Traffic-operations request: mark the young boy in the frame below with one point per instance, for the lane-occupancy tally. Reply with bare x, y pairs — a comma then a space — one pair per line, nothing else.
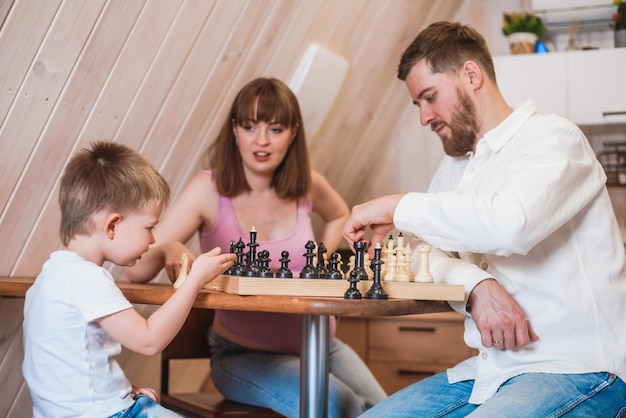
75, 317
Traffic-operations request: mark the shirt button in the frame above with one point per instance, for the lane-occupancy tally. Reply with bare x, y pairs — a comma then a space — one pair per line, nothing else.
484, 356
484, 266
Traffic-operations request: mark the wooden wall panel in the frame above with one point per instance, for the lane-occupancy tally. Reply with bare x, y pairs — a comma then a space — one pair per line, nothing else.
19, 47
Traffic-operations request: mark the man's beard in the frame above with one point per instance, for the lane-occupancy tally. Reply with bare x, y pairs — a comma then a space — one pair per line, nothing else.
463, 128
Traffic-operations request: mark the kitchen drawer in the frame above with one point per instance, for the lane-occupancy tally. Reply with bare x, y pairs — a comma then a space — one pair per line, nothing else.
395, 375
417, 340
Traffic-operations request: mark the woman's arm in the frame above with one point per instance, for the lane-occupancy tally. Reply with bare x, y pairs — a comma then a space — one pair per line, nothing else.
191, 210
333, 210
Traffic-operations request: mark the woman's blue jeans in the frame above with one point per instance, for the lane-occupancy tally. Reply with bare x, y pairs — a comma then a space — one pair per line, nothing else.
273, 381
537, 395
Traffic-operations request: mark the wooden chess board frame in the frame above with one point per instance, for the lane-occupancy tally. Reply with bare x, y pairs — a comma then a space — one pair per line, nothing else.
333, 288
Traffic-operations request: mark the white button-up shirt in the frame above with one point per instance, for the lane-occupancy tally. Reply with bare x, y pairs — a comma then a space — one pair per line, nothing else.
529, 208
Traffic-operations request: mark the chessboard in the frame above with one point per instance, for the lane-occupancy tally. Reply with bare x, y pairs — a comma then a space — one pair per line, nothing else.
320, 277
332, 288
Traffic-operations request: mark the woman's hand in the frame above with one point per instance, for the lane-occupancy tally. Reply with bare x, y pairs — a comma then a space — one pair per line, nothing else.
173, 255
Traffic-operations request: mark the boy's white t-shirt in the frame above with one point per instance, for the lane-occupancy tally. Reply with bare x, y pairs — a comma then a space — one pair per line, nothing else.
69, 363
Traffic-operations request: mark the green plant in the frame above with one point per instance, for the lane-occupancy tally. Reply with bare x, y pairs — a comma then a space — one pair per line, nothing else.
522, 22
618, 20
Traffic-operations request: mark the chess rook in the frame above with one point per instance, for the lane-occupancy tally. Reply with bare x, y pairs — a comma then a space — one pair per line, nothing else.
423, 274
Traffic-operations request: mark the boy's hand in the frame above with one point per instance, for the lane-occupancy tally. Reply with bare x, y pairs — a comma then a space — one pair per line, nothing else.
149, 392
210, 265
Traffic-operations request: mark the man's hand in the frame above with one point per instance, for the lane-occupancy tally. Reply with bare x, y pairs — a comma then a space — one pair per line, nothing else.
499, 318
377, 214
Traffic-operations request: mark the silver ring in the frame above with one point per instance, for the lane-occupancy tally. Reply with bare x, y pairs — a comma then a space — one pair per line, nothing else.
498, 342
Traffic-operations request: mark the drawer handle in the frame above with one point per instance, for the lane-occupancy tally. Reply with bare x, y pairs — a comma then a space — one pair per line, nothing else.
404, 372
617, 113
417, 329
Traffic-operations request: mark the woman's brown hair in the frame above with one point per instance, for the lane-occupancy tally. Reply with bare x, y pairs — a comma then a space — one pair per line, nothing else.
262, 100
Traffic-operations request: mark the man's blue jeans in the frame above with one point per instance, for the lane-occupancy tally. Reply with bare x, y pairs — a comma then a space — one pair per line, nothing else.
536, 395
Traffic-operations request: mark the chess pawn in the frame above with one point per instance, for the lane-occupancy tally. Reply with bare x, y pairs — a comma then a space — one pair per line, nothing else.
387, 251
368, 267
309, 271
284, 272
333, 272
423, 274
353, 291
340, 266
401, 274
391, 269
350, 264
263, 262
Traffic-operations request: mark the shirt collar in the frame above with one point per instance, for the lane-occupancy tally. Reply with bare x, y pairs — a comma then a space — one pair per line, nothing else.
501, 134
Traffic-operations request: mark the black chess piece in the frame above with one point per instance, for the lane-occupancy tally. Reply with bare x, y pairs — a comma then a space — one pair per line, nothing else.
377, 291
238, 266
353, 292
359, 260
322, 271
309, 271
284, 272
231, 270
264, 261
358, 273
333, 271
252, 268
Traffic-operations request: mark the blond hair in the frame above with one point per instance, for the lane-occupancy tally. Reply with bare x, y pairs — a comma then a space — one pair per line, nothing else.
108, 176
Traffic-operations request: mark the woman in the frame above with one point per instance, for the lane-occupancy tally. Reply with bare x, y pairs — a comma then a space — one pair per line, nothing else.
260, 177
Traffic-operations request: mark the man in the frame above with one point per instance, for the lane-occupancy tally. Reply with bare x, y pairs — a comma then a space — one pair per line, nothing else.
518, 213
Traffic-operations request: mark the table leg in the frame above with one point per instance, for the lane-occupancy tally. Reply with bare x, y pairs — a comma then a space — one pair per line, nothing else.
314, 367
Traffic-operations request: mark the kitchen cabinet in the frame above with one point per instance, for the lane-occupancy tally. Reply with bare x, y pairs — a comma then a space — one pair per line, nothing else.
540, 77
402, 350
586, 87
597, 86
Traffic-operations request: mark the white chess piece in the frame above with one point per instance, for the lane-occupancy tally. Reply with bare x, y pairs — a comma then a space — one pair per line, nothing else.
391, 269
401, 267
340, 265
408, 259
387, 252
351, 262
423, 275
368, 267
182, 275
400, 242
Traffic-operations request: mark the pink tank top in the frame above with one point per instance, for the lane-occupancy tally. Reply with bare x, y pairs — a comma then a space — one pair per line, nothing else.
263, 331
